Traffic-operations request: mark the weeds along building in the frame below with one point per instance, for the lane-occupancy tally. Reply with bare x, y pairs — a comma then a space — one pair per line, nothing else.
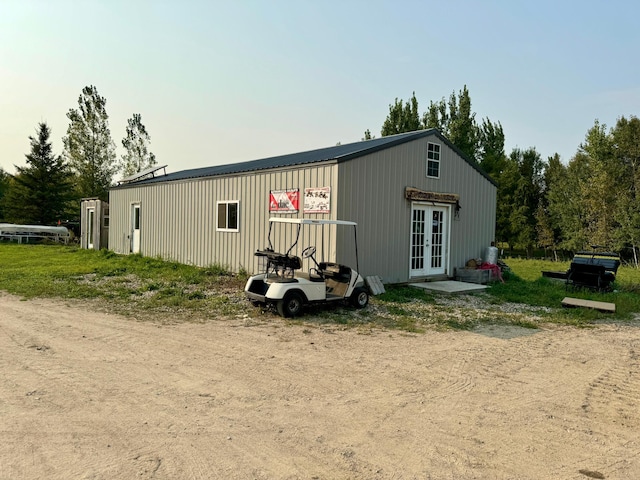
422, 208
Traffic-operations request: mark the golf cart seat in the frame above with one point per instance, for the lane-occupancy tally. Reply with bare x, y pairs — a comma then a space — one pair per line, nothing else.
338, 272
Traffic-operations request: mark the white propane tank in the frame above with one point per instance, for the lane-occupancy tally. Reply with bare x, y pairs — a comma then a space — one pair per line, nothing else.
491, 255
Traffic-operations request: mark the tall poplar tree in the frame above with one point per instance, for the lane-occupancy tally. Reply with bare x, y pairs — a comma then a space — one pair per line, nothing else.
626, 149
522, 188
553, 203
491, 148
137, 156
403, 117
88, 145
41, 191
456, 121
599, 189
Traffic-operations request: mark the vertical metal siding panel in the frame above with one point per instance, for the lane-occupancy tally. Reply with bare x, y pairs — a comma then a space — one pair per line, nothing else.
196, 245
195, 224
168, 203
203, 220
172, 208
178, 243
191, 240
155, 210
112, 228
176, 218
186, 238
210, 222
246, 244
191, 223
116, 202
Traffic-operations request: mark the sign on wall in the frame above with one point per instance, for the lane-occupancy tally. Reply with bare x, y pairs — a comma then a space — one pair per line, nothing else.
317, 200
287, 201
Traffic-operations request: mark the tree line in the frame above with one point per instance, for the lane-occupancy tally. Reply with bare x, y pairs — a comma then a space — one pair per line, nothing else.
49, 187
593, 200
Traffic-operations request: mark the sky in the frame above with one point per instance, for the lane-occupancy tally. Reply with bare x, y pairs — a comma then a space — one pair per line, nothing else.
220, 82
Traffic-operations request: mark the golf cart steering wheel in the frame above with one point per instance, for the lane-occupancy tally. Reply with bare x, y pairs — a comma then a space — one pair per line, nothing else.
309, 252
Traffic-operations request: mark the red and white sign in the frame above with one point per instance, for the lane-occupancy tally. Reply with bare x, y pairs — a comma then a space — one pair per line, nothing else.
284, 200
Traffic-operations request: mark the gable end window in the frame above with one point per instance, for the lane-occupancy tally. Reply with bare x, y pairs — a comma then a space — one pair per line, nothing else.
228, 216
433, 160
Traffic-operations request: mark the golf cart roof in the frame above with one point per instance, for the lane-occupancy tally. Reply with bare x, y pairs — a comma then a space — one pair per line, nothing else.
311, 221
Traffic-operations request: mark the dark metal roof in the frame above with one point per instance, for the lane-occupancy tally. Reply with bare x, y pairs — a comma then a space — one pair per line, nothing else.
338, 153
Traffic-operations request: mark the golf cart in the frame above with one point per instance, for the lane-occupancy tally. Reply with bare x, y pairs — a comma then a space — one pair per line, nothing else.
283, 284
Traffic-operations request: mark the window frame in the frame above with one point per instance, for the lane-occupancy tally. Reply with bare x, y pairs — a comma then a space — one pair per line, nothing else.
227, 203
431, 160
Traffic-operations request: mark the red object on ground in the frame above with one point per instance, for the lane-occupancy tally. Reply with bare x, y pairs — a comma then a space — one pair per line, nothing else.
495, 270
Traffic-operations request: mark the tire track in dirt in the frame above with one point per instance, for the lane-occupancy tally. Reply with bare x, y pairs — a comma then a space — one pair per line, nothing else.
115, 398
617, 390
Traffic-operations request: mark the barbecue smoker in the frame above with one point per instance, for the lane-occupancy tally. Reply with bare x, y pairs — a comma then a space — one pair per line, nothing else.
594, 270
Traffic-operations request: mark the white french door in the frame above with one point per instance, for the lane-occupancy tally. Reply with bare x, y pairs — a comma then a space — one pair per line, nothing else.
429, 240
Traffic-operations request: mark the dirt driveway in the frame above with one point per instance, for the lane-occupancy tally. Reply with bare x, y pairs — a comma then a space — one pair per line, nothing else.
88, 395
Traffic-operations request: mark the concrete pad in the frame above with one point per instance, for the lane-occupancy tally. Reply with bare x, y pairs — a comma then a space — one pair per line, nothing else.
450, 286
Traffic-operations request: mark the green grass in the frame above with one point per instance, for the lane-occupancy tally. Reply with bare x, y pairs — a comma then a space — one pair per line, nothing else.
154, 288
526, 285
129, 283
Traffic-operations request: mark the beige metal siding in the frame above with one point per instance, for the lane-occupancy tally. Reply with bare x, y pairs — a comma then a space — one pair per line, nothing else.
178, 219
372, 194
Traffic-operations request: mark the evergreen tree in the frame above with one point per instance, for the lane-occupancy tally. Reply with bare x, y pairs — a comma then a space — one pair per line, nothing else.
88, 145
5, 180
40, 192
136, 144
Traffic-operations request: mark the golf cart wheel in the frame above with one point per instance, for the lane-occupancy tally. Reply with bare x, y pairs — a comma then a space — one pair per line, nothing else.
291, 305
360, 297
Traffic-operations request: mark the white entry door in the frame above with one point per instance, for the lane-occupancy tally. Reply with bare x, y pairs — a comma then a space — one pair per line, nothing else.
429, 240
135, 228
90, 226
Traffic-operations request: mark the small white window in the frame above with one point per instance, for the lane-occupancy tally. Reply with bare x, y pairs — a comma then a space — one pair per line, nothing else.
433, 160
228, 220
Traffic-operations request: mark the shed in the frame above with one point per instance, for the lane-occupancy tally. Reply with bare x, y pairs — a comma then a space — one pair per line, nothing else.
94, 223
422, 208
